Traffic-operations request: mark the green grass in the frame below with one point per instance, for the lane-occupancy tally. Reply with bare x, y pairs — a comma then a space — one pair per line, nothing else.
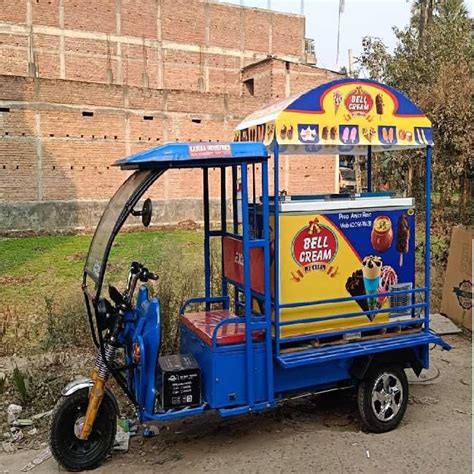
41, 303
40, 281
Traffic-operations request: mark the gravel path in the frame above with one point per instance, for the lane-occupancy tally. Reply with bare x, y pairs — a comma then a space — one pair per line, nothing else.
314, 434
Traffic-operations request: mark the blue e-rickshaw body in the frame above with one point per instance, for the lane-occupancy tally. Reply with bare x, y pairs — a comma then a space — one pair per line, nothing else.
251, 370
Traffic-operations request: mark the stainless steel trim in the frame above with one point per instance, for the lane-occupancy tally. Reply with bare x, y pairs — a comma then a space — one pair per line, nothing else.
346, 204
76, 385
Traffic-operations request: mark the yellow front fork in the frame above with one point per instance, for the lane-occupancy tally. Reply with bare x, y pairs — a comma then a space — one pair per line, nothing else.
96, 396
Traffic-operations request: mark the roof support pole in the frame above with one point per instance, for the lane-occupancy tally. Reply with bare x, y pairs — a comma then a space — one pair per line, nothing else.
247, 287
207, 249
369, 169
429, 152
276, 242
223, 228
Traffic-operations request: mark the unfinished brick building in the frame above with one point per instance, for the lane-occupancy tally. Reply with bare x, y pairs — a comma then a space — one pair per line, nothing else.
85, 82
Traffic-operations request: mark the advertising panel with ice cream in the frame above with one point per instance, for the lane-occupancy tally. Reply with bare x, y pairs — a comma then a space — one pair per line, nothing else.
328, 250
343, 263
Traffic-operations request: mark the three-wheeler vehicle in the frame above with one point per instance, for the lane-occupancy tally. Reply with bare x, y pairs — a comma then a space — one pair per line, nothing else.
317, 292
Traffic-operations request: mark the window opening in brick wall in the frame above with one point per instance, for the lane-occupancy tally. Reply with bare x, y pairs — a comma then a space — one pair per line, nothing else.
86, 113
250, 86
5, 109
196, 120
148, 117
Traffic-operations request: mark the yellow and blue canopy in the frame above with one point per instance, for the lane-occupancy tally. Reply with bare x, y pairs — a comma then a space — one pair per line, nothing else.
341, 117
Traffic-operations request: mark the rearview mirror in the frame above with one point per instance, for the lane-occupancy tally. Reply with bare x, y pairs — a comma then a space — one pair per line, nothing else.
146, 212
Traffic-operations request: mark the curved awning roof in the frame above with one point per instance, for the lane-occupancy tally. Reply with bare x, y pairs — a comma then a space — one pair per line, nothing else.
342, 117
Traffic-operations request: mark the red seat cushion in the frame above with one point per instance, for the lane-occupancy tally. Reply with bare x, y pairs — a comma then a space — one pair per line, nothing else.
203, 324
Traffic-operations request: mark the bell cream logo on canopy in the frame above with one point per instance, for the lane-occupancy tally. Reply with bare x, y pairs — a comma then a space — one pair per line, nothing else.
359, 102
315, 244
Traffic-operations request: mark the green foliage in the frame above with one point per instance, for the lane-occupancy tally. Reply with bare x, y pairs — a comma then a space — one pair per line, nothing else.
432, 64
66, 322
19, 382
42, 306
3, 383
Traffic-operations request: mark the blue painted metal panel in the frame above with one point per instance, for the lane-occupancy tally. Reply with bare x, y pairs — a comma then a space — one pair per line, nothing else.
195, 154
173, 414
147, 335
311, 377
224, 371
242, 410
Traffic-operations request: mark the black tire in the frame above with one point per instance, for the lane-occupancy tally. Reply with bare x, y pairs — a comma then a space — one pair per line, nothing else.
382, 398
68, 450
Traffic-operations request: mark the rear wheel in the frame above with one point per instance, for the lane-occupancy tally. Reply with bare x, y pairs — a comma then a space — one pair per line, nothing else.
71, 452
382, 398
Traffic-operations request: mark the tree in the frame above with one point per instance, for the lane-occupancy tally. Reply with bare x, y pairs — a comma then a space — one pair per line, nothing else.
432, 64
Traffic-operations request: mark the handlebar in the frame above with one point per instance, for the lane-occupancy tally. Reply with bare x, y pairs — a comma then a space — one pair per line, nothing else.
137, 272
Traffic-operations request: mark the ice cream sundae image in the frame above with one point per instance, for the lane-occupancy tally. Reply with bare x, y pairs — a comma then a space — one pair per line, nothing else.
308, 134
381, 236
371, 270
388, 278
337, 99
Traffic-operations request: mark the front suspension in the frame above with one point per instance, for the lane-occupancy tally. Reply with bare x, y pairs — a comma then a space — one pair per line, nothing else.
100, 376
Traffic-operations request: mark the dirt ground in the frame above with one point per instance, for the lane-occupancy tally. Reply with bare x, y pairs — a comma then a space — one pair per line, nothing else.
315, 434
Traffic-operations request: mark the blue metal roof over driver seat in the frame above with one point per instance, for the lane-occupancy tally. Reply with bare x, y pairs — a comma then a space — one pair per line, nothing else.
195, 154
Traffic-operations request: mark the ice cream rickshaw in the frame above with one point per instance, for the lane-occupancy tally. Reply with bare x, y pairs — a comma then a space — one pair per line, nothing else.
317, 292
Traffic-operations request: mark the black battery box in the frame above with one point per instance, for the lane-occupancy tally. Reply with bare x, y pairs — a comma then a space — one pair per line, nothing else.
180, 381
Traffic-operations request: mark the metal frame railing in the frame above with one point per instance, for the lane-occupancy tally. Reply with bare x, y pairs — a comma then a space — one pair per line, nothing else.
425, 290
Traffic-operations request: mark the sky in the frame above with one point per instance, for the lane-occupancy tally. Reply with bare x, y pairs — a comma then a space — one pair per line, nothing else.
360, 18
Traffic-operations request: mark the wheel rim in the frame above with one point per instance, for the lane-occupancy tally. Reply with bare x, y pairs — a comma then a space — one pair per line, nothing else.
72, 424
387, 396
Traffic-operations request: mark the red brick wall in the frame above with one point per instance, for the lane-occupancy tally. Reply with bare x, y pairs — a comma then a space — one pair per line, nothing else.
150, 71
119, 40
51, 151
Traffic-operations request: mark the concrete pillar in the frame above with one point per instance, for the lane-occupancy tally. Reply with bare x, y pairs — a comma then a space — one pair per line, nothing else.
62, 53
165, 127
287, 79
32, 66
145, 79
204, 57
128, 145
270, 32
109, 72
118, 30
242, 43
39, 157
160, 72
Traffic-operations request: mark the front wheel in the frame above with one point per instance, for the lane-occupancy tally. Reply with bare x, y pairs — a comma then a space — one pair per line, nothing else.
382, 398
71, 452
